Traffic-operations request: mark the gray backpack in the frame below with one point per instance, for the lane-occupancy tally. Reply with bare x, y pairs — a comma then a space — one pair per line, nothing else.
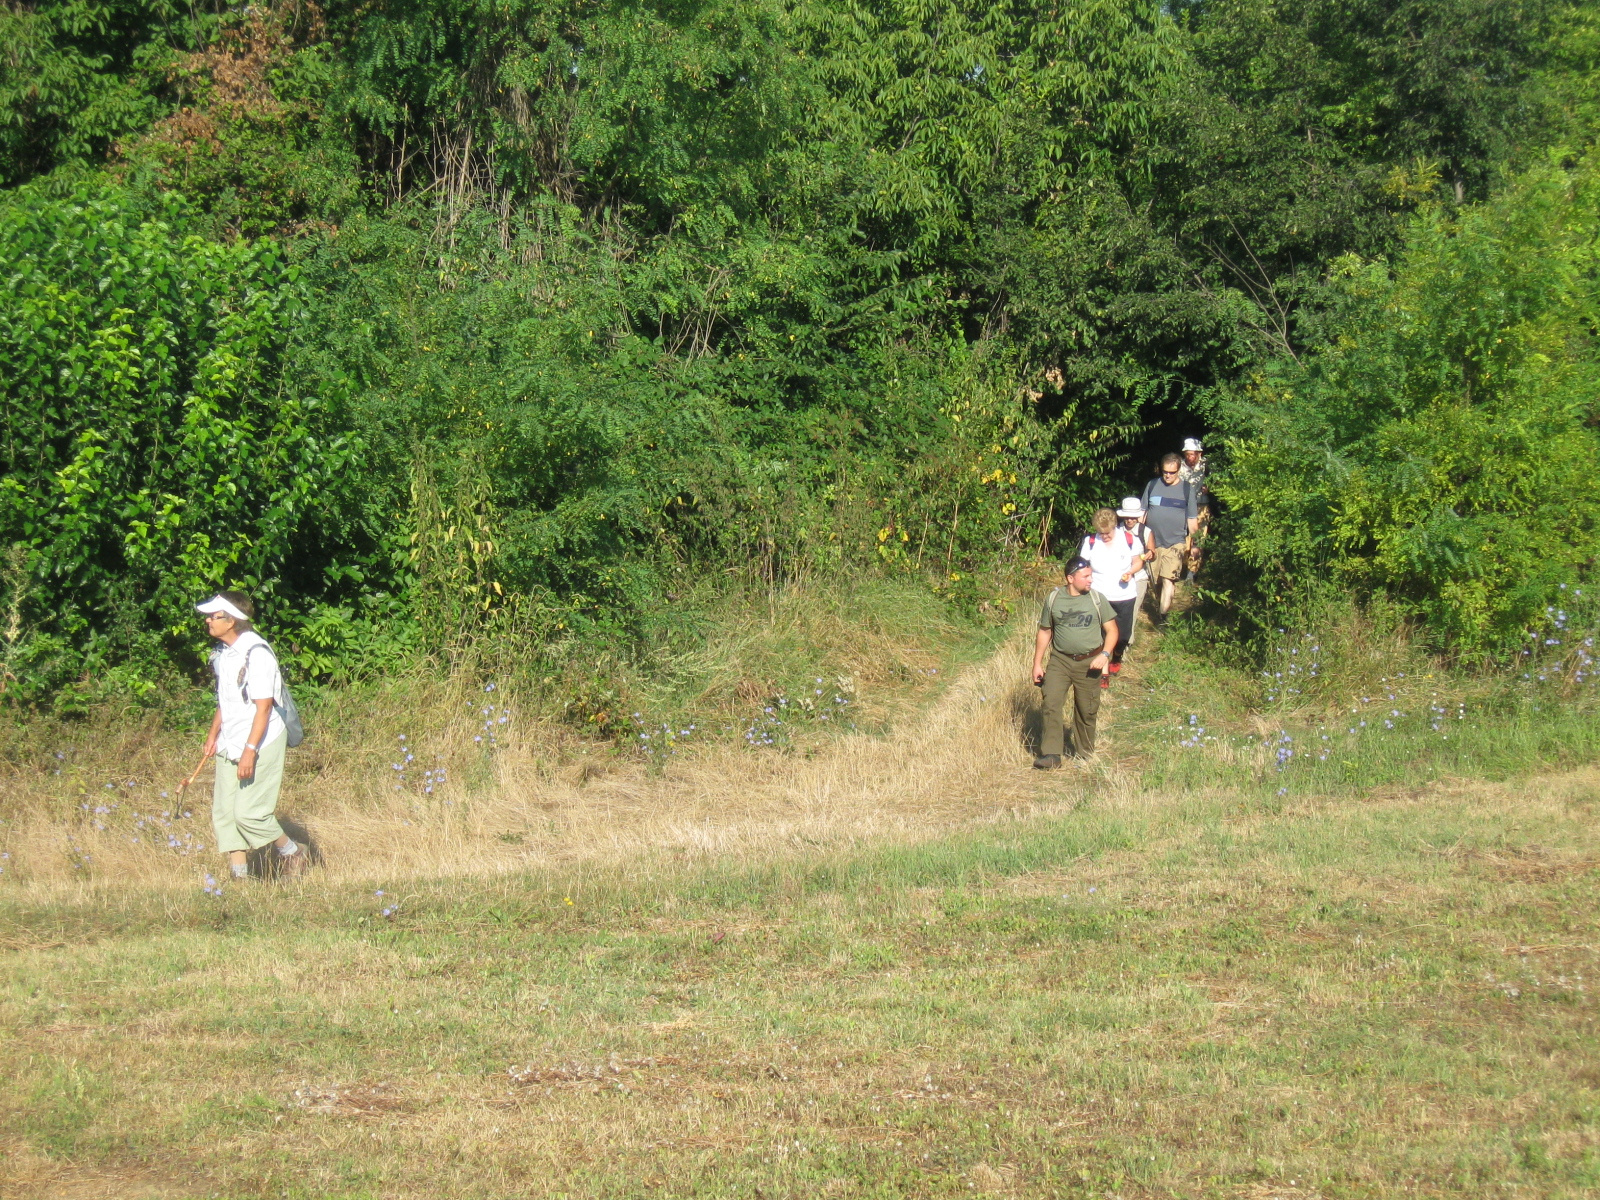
294, 731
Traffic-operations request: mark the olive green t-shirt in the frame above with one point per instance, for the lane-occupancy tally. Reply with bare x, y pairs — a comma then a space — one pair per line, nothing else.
1077, 623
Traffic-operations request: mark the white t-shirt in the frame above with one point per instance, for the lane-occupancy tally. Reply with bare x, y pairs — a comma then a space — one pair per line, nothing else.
1111, 560
263, 682
1142, 542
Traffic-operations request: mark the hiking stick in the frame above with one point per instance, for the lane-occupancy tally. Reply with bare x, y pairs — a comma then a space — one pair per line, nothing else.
193, 775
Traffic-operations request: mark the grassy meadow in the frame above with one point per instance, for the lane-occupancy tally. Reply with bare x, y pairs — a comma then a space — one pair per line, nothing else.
880, 962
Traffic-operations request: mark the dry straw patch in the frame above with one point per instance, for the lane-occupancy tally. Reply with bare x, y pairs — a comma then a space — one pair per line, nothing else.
1154, 1016
543, 796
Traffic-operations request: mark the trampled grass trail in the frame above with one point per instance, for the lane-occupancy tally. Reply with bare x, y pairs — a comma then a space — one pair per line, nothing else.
539, 799
877, 966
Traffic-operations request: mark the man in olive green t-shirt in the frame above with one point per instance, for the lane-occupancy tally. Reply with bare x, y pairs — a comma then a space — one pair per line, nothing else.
1077, 631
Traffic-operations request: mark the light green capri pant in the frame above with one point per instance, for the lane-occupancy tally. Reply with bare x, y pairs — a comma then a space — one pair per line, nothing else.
243, 814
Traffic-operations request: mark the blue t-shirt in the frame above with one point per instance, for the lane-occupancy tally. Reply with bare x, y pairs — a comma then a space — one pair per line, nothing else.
1169, 507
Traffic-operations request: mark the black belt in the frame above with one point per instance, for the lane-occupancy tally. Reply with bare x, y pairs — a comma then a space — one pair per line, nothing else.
1079, 657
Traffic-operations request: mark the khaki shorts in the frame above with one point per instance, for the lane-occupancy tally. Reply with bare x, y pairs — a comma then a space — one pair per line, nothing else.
1168, 562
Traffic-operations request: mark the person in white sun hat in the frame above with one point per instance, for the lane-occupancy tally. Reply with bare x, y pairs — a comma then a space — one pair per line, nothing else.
1192, 470
1136, 532
248, 737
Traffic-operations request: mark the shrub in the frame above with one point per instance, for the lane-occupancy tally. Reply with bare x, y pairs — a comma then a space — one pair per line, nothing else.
152, 445
1439, 443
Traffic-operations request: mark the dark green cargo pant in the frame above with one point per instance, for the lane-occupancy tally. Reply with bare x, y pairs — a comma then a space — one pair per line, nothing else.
1060, 673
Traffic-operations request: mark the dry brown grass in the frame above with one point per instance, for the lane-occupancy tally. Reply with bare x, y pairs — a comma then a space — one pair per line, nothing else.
999, 982
546, 795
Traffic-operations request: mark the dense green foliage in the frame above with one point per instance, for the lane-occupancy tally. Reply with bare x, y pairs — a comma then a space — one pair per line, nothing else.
154, 446
1440, 444
538, 312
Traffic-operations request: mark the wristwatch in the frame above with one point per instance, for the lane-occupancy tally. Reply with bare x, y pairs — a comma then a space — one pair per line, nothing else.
248, 746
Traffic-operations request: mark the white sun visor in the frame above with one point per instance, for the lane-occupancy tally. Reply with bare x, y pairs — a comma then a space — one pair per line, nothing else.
218, 605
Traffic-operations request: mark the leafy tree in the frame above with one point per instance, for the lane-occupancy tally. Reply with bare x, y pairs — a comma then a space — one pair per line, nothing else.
547, 308
1439, 444
252, 144
151, 443
77, 75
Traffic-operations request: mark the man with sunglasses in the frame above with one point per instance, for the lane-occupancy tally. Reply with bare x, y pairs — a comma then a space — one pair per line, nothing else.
1173, 518
248, 737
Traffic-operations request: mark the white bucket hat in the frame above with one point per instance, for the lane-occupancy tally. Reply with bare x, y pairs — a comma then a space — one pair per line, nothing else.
218, 605
1132, 506
1192, 444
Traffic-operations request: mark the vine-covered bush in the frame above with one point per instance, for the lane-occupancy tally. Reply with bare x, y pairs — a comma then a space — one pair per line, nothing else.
152, 445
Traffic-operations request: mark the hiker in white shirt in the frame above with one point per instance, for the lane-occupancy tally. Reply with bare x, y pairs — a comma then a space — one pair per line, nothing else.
1137, 534
248, 737
1116, 559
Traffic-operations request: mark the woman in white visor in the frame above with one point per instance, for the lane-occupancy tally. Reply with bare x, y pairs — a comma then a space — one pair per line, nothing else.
248, 737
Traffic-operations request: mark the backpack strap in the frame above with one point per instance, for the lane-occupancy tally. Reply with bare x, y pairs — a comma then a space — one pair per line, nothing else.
244, 669
1167, 501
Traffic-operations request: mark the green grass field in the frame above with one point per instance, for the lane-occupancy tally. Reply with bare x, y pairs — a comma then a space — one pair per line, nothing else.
1140, 984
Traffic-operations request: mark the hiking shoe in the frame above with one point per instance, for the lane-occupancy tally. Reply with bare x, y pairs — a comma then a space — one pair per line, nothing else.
1105, 681
1116, 668
292, 866
1047, 762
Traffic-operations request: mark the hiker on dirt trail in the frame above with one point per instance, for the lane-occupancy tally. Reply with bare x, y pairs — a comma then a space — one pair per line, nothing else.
1170, 509
1077, 632
1133, 528
1193, 472
1117, 558
248, 737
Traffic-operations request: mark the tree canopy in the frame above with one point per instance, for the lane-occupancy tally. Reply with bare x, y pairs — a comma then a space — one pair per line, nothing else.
422, 314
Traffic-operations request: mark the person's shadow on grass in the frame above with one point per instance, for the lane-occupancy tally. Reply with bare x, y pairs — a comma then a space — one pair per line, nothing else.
1028, 716
267, 863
